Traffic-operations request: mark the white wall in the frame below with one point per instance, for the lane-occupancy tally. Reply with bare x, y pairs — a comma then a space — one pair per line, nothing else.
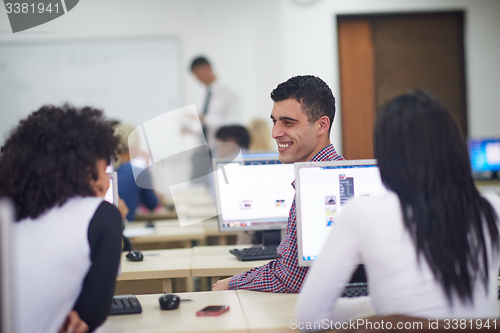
239, 36
310, 46
256, 44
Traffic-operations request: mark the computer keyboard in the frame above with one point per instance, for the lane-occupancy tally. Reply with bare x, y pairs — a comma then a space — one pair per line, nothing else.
361, 289
355, 290
256, 253
125, 304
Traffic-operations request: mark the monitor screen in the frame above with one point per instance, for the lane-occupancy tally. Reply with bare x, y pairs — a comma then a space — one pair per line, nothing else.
323, 188
111, 195
253, 192
484, 154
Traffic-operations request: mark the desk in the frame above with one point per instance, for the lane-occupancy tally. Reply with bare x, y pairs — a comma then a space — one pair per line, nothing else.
197, 204
486, 186
197, 211
172, 214
171, 231
216, 261
195, 195
208, 261
249, 312
159, 264
268, 312
167, 231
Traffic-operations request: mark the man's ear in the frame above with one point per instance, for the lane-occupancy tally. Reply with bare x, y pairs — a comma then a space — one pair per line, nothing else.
324, 125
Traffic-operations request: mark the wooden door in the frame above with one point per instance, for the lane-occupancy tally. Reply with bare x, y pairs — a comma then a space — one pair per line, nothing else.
382, 56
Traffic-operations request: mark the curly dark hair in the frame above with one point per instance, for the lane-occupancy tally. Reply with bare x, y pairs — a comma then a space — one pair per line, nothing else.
51, 156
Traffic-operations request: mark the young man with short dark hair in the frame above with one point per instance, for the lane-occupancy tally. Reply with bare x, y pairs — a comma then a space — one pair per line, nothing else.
302, 116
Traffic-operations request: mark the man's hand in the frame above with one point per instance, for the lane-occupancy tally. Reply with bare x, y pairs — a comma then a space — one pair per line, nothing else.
74, 324
221, 285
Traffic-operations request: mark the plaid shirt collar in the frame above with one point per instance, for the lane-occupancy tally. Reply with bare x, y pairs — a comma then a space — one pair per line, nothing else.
326, 154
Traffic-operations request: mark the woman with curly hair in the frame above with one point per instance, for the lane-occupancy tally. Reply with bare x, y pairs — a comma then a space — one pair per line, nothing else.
67, 240
430, 246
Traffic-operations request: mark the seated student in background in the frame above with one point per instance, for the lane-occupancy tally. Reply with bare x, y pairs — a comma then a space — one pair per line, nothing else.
260, 140
430, 247
302, 114
67, 239
231, 140
128, 190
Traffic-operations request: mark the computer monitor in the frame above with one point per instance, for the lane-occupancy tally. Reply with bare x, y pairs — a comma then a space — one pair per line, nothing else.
323, 188
6, 279
485, 155
111, 195
253, 192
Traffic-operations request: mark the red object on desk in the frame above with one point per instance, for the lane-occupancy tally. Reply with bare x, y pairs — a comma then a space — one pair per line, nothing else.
212, 310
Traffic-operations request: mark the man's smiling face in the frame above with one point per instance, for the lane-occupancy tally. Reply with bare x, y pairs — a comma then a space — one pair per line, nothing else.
295, 136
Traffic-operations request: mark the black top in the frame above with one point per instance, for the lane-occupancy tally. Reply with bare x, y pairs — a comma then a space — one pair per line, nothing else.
94, 302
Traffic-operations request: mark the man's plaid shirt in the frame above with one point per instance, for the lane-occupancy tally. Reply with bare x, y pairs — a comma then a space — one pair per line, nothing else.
282, 275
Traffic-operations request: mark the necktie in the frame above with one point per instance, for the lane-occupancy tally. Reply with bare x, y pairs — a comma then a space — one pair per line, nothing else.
207, 100
205, 111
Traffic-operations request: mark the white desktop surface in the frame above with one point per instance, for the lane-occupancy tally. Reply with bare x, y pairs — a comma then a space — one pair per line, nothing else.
163, 231
154, 320
250, 311
170, 231
268, 312
157, 264
138, 232
488, 186
196, 211
217, 261
195, 196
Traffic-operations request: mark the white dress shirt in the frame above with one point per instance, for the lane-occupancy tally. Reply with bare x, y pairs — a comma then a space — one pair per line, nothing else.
223, 109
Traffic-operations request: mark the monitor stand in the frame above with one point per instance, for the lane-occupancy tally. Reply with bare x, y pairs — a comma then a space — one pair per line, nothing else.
359, 275
268, 237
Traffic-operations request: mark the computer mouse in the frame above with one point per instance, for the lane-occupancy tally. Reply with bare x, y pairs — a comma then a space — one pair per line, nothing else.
134, 256
169, 301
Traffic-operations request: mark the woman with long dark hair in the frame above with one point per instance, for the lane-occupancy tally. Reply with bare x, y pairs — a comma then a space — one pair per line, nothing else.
67, 240
430, 247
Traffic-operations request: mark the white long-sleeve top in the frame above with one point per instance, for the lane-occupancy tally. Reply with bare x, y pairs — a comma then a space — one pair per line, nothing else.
370, 231
66, 259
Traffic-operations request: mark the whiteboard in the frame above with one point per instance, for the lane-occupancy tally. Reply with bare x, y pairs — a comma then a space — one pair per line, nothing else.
132, 80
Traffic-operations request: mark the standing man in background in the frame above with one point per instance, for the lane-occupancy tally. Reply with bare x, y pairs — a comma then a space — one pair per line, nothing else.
217, 107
